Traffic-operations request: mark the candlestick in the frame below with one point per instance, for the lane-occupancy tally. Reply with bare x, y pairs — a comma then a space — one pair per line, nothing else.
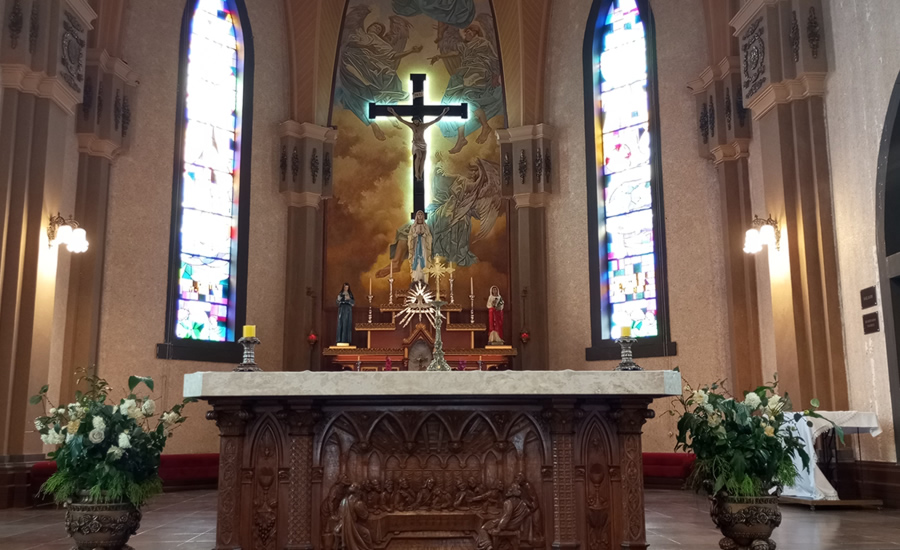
451, 289
391, 283
472, 308
249, 343
249, 331
627, 362
370, 305
438, 363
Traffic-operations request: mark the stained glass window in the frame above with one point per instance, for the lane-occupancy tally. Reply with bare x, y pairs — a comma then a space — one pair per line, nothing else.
208, 188
626, 239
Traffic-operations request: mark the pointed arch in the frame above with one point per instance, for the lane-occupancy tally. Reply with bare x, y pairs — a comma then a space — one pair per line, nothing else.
206, 300
626, 229
887, 238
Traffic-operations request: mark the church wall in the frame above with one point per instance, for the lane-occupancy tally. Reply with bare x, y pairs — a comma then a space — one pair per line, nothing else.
137, 255
863, 67
692, 206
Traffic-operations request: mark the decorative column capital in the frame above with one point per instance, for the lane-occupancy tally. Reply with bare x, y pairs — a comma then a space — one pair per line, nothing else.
104, 121
562, 420
526, 161
231, 422
630, 419
306, 161
299, 422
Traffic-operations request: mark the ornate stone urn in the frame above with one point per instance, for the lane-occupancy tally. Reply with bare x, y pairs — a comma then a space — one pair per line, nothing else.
106, 526
746, 522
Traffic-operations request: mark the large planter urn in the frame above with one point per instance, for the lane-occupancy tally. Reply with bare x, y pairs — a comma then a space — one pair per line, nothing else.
746, 522
106, 526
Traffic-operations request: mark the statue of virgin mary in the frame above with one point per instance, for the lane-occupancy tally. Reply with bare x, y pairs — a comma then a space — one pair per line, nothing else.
419, 242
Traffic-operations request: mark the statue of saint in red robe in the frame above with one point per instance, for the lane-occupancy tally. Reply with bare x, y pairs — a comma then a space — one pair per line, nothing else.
495, 317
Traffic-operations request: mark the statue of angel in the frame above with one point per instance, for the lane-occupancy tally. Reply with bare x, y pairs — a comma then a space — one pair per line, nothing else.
470, 56
369, 58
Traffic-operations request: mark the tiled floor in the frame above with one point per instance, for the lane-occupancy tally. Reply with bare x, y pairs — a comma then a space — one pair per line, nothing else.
675, 521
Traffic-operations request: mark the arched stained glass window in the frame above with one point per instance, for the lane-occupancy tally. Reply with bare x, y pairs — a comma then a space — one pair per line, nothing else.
624, 179
208, 267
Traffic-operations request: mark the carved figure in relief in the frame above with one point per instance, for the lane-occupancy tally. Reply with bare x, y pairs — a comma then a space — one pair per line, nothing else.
463, 496
352, 514
501, 533
387, 496
530, 496
490, 497
441, 500
373, 495
425, 496
404, 498
329, 510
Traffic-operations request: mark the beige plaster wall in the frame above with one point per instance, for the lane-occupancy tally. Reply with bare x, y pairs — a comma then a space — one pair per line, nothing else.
864, 61
134, 300
692, 205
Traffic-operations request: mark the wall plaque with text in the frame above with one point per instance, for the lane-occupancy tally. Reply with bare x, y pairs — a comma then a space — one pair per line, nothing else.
870, 323
868, 298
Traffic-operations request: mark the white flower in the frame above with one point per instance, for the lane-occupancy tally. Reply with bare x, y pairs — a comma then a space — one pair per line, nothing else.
116, 452
707, 407
96, 436
714, 420
99, 423
775, 403
76, 410
126, 406
53, 437
752, 400
124, 441
38, 424
148, 408
169, 418
53, 411
701, 397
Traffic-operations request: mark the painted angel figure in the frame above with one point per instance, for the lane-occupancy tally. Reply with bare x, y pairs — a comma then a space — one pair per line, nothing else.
368, 64
475, 77
419, 147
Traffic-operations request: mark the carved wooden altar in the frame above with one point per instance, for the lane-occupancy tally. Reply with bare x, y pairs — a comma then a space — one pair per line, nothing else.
404, 461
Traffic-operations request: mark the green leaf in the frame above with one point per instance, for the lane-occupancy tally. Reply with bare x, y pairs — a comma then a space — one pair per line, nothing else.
35, 399
814, 402
44, 388
720, 482
133, 382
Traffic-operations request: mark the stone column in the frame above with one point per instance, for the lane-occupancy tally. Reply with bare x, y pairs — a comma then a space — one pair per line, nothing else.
562, 418
102, 124
526, 173
232, 423
300, 423
42, 68
784, 68
724, 136
630, 417
306, 180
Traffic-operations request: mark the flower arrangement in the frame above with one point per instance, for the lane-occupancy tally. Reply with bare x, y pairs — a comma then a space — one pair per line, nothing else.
744, 448
109, 450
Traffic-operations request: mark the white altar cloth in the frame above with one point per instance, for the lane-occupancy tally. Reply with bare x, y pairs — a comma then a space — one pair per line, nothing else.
811, 482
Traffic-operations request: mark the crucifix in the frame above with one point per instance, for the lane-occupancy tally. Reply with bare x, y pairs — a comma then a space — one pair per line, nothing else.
418, 111
437, 270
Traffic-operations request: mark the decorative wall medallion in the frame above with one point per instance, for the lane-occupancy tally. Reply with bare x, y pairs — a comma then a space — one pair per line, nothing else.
741, 111
547, 165
704, 124
794, 37
117, 110
87, 100
812, 32
126, 115
15, 24
314, 165
728, 108
712, 117
295, 164
523, 166
33, 28
282, 163
538, 166
72, 48
507, 169
99, 100
326, 169
754, 55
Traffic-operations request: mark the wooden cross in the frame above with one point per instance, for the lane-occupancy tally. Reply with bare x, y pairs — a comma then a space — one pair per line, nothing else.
419, 110
437, 269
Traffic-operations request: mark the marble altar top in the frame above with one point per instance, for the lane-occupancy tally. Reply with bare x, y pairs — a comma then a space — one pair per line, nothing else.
408, 384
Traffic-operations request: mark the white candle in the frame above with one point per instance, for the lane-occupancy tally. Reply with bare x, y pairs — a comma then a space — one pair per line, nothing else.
471, 286
370, 286
392, 269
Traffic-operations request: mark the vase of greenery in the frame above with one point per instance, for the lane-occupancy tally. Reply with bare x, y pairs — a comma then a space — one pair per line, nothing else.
744, 449
107, 459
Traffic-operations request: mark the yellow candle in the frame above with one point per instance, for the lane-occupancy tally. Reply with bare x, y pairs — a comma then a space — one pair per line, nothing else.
249, 331
626, 332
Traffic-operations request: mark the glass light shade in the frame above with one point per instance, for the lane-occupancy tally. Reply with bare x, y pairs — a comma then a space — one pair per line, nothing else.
78, 242
752, 242
63, 235
767, 235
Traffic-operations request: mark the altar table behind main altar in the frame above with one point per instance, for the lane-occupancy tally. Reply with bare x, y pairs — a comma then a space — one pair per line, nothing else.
430, 460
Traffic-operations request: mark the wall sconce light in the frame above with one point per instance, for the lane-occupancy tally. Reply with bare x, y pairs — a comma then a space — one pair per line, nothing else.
763, 232
66, 231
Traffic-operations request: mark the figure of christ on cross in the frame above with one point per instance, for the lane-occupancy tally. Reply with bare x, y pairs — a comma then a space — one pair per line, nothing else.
418, 111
